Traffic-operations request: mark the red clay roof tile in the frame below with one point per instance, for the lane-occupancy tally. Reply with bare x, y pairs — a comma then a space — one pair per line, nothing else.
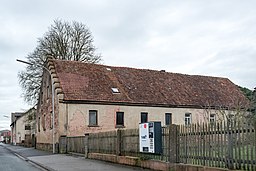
93, 82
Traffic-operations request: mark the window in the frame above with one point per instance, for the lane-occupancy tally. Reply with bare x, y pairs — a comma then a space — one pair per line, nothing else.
30, 117
51, 124
48, 92
212, 118
49, 87
231, 119
115, 90
119, 118
38, 124
231, 116
168, 118
93, 117
27, 127
143, 117
43, 122
188, 119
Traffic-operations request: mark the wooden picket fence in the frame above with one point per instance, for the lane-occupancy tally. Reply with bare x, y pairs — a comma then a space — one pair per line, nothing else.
226, 144
76, 144
124, 142
103, 142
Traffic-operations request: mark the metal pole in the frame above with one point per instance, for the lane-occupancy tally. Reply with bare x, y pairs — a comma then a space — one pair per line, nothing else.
53, 117
53, 113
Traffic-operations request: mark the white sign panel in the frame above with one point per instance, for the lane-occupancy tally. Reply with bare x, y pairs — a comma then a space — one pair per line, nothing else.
146, 137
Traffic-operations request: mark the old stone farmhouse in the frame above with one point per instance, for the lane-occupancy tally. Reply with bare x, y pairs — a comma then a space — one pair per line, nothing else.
92, 98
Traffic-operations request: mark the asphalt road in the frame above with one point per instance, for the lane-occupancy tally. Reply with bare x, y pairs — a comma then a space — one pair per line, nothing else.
10, 162
47, 160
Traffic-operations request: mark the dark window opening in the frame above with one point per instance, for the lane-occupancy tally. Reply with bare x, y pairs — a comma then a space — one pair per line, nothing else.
38, 125
120, 118
51, 119
27, 127
143, 117
168, 118
43, 122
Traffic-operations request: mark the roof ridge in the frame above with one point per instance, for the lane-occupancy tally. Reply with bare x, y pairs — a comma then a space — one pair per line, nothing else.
134, 68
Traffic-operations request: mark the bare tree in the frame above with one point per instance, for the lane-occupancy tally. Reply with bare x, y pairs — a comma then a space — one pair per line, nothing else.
63, 40
235, 108
252, 109
238, 112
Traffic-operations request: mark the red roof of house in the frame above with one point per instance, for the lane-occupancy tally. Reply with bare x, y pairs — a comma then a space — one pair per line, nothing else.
81, 81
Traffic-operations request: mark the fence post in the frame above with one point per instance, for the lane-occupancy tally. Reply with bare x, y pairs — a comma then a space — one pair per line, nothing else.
230, 162
86, 145
118, 142
174, 146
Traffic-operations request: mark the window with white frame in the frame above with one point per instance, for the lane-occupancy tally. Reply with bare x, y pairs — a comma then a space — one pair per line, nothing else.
212, 118
188, 119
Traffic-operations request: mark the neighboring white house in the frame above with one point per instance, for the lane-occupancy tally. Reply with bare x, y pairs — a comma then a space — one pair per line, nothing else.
22, 127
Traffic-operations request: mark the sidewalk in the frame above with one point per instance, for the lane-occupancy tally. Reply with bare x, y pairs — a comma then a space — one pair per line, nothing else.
62, 162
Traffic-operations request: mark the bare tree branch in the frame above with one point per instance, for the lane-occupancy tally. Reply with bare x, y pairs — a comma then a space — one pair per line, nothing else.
63, 40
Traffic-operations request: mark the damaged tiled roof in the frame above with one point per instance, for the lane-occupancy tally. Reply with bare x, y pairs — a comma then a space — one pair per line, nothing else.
93, 82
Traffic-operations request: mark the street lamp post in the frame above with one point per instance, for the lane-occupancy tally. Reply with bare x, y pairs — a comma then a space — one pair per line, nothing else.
53, 115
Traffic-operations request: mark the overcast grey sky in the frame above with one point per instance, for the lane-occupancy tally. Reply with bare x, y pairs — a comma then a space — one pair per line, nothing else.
203, 37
